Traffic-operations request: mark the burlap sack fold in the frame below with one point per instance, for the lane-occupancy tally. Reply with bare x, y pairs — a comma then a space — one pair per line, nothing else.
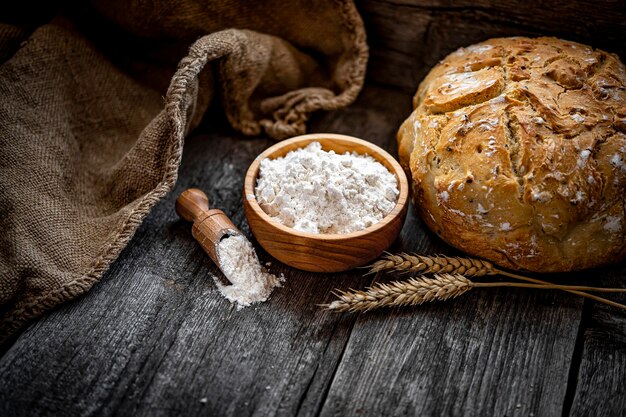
88, 145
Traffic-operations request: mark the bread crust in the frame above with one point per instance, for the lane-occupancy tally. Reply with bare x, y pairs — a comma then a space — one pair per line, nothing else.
517, 152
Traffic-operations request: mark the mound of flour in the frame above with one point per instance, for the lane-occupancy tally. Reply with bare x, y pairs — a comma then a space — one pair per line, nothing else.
315, 191
251, 283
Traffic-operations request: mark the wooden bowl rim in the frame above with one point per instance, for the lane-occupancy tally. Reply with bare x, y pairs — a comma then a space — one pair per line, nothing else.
253, 171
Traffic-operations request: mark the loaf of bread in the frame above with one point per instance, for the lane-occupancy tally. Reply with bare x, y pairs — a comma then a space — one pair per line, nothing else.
517, 153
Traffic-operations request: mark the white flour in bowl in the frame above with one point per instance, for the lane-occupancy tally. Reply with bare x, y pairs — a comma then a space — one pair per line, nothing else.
251, 282
315, 191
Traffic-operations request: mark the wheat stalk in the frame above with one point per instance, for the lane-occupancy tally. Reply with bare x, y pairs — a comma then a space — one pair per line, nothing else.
470, 267
411, 292
420, 264
441, 287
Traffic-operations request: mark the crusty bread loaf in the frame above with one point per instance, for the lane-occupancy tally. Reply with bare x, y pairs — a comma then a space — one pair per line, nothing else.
517, 153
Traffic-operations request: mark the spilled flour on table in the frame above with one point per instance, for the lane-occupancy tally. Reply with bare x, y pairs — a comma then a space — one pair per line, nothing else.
251, 282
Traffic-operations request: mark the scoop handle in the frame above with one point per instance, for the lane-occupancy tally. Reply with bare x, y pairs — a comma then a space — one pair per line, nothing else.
191, 204
209, 226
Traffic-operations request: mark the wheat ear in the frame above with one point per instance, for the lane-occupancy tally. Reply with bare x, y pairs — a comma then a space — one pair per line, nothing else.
420, 264
470, 267
411, 292
441, 287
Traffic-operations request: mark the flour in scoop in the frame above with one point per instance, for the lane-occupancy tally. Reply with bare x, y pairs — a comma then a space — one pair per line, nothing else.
251, 282
315, 191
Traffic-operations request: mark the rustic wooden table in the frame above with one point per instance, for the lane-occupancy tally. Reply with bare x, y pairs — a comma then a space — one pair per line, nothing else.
154, 337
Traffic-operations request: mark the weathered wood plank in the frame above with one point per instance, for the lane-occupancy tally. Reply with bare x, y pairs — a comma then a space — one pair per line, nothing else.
408, 37
600, 376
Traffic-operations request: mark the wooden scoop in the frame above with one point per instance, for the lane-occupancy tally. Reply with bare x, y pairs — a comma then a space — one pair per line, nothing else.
209, 226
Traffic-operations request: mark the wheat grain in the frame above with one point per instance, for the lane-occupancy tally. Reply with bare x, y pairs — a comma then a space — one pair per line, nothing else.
420, 264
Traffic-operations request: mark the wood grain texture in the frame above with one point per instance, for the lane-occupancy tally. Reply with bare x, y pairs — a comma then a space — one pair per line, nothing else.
155, 338
599, 368
325, 252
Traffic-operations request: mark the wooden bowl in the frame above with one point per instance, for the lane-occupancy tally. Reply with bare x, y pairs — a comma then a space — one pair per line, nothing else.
325, 252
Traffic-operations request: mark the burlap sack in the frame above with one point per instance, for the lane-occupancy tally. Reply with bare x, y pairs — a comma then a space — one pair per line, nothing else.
88, 145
